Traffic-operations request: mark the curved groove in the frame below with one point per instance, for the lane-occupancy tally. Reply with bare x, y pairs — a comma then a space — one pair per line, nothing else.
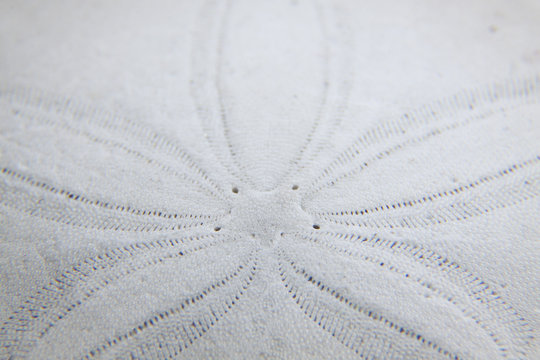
55, 301
457, 106
338, 87
180, 333
64, 113
219, 89
393, 215
326, 180
475, 289
348, 331
99, 214
56, 211
206, 114
208, 34
325, 92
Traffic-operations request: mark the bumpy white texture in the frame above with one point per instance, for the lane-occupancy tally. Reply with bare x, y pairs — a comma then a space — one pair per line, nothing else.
269, 179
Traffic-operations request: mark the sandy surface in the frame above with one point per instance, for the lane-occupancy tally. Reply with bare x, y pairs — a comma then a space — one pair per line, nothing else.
387, 150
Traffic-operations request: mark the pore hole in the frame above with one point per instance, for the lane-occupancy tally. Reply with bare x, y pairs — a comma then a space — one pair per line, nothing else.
217, 228
235, 190
316, 227
295, 187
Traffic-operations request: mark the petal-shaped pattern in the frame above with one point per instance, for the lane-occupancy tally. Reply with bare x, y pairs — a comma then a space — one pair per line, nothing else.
448, 205
441, 286
29, 108
423, 124
238, 46
66, 207
80, 291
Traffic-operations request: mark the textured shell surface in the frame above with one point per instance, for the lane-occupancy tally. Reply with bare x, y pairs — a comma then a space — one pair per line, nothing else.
269, 179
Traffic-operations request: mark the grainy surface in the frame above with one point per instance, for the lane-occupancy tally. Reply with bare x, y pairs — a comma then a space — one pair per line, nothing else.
269, 179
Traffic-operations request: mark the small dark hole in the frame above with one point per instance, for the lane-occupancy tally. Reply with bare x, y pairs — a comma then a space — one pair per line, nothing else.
235, 190
295, 187
316, 227
217, 228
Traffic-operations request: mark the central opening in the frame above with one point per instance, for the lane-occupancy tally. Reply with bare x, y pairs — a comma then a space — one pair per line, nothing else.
265, 215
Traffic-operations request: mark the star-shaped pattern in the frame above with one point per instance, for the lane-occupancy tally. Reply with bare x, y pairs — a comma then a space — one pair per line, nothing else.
196, 246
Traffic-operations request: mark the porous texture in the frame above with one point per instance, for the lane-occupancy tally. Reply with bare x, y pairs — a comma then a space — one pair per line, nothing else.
269, 179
